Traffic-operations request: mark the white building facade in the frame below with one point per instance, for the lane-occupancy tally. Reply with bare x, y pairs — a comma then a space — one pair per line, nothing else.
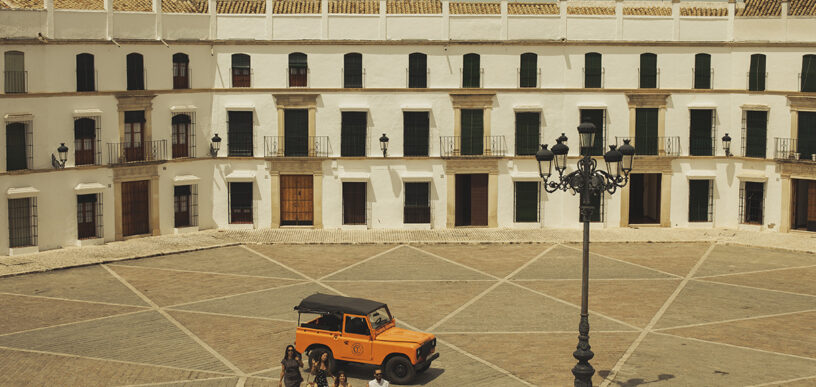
300, 92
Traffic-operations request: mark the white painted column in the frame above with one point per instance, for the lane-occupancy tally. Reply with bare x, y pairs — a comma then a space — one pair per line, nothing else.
446, 20
675, 20
785, 4
504, 26
109, 11
731, 13
211, 7
619, 19
270, 31
157, 8
49, 19
383, 33
562, 11
324, 19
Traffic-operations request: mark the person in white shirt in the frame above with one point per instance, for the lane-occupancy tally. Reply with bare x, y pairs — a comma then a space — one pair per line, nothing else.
378, 380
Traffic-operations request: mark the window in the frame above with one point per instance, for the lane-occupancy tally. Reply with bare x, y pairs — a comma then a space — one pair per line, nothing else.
757, 74
298, 70
89, 216
135, 71
527, 133
353, 136
296, 132
85, 72
701, 132
241, 71
240, 196
18, 146
471, 71
239, 136
354, 203
754, 133
527, 199
86, 138
751, 202
15, 76
648, 71
181, 71
357, 326
702, 71
134, 135
646, 131
415, 133
417, 203
701, 200
183, 135
806, 135
809, 73
417, 70
472, 138
593, 70
528, 70
597, 117
353, 70
185, 205
22, 215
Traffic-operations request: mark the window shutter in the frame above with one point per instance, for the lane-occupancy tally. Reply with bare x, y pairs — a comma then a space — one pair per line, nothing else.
806, 134
527, 201
756, 133
135, 72
756, 75
472, 134
702, 71
698, 200
353, 70
415, 133
595, 116
527, 139
809, 73
700, 132
417, 70
85, 72
353, 134
239, 133
296, 132
528, 73
15, 146
470, 70
648, 71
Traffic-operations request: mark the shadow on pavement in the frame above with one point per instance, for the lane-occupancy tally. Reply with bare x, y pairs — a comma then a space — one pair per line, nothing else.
637, 381
366, 372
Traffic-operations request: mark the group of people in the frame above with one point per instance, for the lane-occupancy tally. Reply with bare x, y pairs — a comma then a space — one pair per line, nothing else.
320, 372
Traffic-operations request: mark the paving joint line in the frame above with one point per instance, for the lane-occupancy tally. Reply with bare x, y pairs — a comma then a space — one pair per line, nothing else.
228, 315
628, 263
754, 288
175, 381
756, 271
361, 262
301, 282
735, 320
737, 346
73, 300
262, 371
197, 271
778, 382
76, 322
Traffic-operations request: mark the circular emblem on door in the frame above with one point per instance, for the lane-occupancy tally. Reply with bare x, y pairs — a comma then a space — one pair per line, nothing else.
357, 349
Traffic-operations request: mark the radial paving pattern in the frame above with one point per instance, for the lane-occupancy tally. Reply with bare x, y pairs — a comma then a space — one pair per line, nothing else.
686, 314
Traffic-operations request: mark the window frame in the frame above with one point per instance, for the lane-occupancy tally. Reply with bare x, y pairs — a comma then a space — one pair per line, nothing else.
353, 72
189, 144
703, 73
528, 76
757, 72
297, 71
181, 63
80, 143
240, 140
416, 133
648, 73
85, 73
240, 70
743, 203
14, 213
527, 149
135, 71
471, 71
353, 133
233, 195
15, 76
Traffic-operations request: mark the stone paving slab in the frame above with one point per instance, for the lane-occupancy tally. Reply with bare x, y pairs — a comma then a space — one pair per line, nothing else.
799, 280
740, 259
565, 263
408, 263
21, 313
483, 256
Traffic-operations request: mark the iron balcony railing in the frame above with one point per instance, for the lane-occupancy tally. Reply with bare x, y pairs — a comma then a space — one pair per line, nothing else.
794, 149
702, 145
464, 146
131, 152
653, 146
16, 82
298, 146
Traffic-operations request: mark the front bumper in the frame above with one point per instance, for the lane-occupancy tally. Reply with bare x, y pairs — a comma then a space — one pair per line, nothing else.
427, 361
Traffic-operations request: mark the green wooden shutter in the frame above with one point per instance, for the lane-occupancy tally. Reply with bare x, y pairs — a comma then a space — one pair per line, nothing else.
135, 71
702, 71
415, 133
353, 70
353, 134
239, 134
86, 81
527, 127
472, 138
470, 70
700, 135
756, 75
592, 70
528, 72
15, 146
809, 73
698, 200
646, 131
527, 201
296, 132
806, 134
648, 71
756, 133
417, 70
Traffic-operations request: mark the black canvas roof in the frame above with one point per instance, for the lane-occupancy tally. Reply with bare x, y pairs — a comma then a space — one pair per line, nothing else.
326, 303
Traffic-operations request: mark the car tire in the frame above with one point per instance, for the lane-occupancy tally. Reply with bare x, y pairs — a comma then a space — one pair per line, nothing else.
315, 354
399, 370
424, 368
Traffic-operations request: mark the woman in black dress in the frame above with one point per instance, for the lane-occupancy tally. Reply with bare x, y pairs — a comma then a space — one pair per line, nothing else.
321, 371
290, 368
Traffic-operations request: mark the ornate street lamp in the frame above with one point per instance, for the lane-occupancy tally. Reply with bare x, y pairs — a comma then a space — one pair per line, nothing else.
62, 151
384, 144
215, 145
588, 181
726, 141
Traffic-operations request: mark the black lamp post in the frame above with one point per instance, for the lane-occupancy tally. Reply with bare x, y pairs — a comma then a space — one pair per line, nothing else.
726, 143
215, 145
384, 144
588, 181
62, 151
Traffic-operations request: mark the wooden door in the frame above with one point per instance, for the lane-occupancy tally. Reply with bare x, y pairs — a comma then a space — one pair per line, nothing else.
135, 207
241, 203
86, 216
354, 203
84, 141
478, 200
297, 208
180, 133
811, 206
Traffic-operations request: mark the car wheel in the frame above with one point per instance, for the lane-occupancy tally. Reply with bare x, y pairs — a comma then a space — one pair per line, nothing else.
399, 370
315, 354
423, 368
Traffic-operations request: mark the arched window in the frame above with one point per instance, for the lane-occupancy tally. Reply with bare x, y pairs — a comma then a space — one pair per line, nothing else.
756, 73
241, 71
809, 72
417, 70
353, 70
135, 71
648, 71
702, 71
85, 73
84, 141
471, 71
181, 71
593, 70
15, 74
180, 135
528, 70
298, 70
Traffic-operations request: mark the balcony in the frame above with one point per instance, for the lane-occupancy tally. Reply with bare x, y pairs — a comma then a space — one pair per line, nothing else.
127, 153
299, 146
488, 146
653, 146
702, 146
794, 149
16, 82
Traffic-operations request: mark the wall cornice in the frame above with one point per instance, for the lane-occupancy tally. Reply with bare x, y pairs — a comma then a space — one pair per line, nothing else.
802, 102
647, 100
296, 100
469, 100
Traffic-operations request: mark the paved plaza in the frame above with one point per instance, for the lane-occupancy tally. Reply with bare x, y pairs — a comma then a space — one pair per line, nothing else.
663, 314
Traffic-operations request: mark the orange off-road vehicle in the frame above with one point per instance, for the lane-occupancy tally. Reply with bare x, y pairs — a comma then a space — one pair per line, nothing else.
362, 331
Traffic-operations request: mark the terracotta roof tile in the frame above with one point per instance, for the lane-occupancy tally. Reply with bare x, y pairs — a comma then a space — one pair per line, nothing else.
532, 9
761, 8
241, 6
802, 8
26, 4
361, 7
133, 5
421, 7
591, 10
703, 11
184, 6
295, 6
80, 4
647, 11
460, 8
3, 5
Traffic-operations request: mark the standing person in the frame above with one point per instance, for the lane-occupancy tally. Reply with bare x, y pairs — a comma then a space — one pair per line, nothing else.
290, 368
341, 380
378, 380
321, 371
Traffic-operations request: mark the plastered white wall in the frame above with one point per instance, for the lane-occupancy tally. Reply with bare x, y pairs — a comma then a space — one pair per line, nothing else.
183, 26
134, 25
80, 25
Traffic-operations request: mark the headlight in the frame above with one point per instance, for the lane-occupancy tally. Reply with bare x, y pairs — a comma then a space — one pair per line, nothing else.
418, 350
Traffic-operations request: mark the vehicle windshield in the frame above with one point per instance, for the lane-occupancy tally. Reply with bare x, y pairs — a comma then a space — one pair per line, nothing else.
379, 317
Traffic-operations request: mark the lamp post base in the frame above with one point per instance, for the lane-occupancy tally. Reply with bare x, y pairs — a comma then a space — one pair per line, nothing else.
583, 371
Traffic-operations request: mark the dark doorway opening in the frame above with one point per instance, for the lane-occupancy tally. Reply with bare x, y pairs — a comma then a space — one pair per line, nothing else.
471, 200
644, 198
804, 205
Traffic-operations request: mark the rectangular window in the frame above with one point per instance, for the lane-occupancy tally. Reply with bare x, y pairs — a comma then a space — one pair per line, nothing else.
89, 216
353, 70
751, 202
701, 200
806, 135
808, 73
185, 205
134, 136
87, 147
85, 72
240, 136
528, 70
593, 70
417, 203
754, 134
702, 71
415, 133
296, 132
240, 196
18, 146
648, 71
183, 134
646, 131
418, 70
527, 133
353, 134
22, 216
15, 77
472, 138
701, 132
354, 203
527, 199
597, 117
135, 72
471, 71
757, 74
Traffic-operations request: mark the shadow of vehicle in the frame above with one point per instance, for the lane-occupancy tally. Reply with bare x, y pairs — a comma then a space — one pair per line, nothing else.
366, 372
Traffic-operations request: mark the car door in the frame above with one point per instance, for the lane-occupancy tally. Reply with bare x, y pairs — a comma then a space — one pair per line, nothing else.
356, 340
